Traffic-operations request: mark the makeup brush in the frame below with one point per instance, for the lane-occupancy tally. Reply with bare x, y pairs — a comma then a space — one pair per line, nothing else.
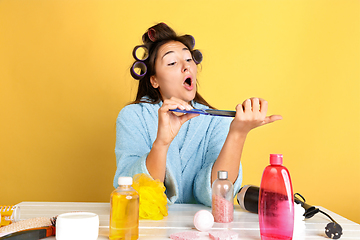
30, 229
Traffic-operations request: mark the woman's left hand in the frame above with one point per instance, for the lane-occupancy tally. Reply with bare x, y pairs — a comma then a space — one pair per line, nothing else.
252, 114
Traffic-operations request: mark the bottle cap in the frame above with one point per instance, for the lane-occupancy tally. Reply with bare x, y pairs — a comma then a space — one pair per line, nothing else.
222, 174
125, 181
276, 159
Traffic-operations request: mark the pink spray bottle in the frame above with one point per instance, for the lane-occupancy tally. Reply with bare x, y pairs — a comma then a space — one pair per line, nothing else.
276, 202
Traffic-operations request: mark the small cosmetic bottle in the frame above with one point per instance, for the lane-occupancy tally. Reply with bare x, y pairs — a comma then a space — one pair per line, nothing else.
124, 212
276, 202
222, 198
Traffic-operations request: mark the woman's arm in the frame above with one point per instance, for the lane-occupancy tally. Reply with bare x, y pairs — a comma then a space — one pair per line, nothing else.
168, 127
249, 115
156, 161
133, 141
229, 157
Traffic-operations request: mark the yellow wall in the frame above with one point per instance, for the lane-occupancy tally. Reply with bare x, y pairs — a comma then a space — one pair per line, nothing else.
64, 77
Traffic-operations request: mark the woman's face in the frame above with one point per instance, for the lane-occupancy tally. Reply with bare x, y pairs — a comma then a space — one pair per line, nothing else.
175, 72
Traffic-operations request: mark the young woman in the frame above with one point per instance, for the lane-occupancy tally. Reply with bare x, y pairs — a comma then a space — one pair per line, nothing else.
185, 151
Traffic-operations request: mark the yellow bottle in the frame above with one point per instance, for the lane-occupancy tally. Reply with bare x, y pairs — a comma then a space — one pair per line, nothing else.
124, 212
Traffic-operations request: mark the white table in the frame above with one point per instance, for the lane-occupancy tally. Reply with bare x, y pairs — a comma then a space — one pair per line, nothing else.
180, 219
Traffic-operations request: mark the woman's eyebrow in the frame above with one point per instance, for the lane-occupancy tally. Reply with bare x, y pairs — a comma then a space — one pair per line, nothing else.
184, 49
167, 53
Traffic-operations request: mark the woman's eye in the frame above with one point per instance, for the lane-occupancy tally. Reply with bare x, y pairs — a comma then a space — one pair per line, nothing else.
189, 59
171, 64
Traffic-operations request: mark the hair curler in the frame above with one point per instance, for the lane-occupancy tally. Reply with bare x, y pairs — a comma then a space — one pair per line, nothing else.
140, 53
138, 70
197, 56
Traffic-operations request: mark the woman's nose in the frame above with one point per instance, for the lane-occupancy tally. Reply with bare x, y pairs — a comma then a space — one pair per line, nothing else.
186, 66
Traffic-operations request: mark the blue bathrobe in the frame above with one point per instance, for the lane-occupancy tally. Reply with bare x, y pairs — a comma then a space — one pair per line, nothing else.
190, 157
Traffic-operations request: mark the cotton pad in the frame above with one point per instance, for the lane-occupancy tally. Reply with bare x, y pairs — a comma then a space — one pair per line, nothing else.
185, 235
203, 220
223, 235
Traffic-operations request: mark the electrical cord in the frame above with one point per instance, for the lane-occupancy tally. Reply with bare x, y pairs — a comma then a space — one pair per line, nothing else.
332, 230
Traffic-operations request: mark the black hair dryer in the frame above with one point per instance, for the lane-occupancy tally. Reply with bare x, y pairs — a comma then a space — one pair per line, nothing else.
248, 199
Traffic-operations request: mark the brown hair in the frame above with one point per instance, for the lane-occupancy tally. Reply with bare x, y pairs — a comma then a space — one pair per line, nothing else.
153, 39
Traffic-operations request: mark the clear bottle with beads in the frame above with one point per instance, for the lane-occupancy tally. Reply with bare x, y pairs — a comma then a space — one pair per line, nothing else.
276, 202
222, 198
124, 212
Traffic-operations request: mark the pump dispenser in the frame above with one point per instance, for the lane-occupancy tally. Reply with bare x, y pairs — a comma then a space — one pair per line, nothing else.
276, 202
222, 198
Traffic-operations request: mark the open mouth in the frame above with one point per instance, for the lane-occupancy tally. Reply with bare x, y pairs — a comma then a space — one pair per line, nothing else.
188, 82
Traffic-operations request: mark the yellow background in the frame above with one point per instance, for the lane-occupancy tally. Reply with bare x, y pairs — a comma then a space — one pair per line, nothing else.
64, 76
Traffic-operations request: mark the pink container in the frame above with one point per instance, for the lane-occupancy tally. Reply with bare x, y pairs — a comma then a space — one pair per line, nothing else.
276, 201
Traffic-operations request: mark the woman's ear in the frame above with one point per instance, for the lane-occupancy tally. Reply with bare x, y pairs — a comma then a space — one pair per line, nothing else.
154, 82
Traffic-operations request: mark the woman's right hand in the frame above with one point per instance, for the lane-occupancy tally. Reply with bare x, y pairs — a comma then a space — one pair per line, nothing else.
170, 122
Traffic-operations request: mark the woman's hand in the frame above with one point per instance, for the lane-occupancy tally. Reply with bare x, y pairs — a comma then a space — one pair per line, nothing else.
168, 127
171, 122
251, 114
